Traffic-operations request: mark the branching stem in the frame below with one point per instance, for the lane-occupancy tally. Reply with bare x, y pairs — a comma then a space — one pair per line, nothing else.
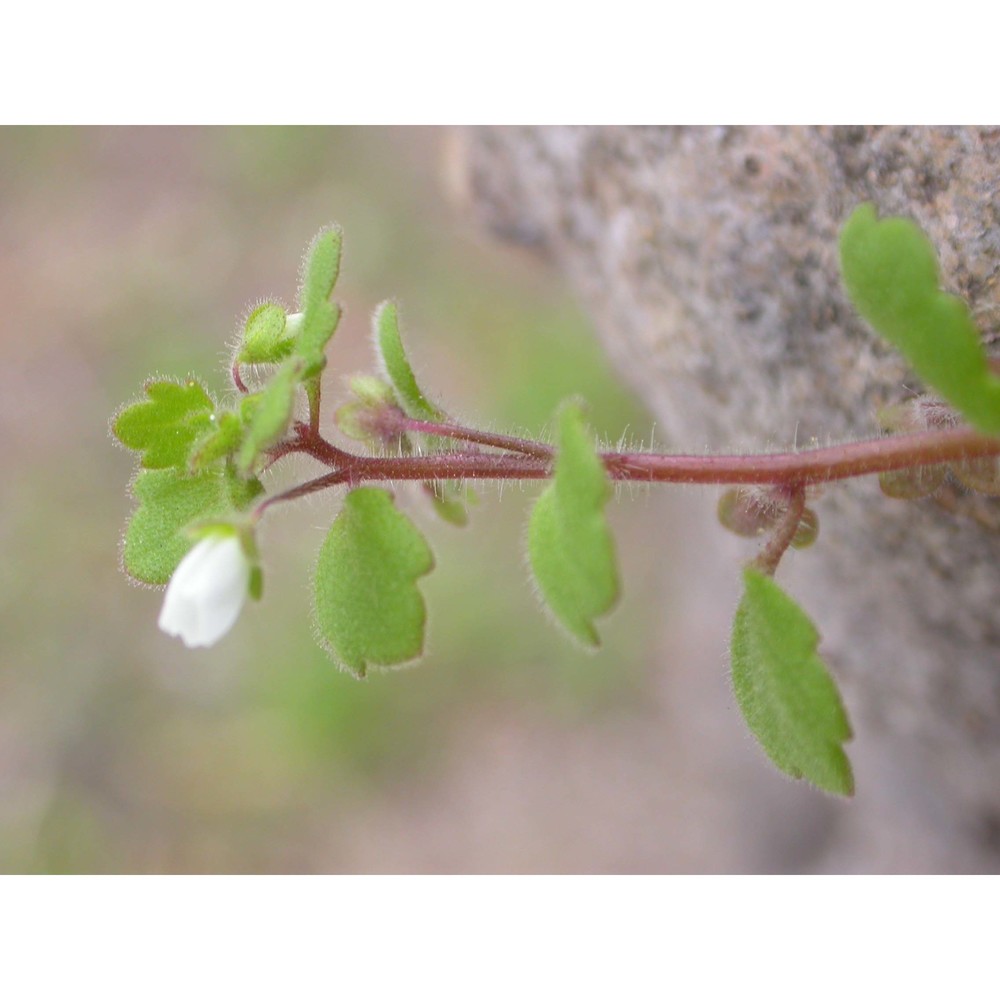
517, 458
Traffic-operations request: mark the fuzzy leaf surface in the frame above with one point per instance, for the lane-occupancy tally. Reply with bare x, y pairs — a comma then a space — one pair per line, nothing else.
397, 367
265, 340
166, 424
570, 546
890, 271
787, 696
319, 316
270, 413
155, 541
368, 608
220, 442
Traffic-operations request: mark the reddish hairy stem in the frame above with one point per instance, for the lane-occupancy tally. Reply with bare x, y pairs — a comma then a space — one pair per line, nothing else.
777, 545
457, 432
238, 378
792, 470
820, 465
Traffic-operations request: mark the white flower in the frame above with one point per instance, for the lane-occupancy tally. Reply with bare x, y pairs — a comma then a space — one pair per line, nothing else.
206, 593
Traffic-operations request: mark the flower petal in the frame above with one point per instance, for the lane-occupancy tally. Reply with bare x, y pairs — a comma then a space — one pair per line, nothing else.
207, 591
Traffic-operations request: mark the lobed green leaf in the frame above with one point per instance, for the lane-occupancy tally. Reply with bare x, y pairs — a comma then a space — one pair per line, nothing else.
169, 500
166, 424
369, 611
570, 546
396, 366
890, 271
788, 698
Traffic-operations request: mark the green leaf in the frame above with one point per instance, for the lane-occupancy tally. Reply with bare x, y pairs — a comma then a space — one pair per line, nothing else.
890, 271
789, 700
570, 546
265, 339
270, 412
155, 541
397, 367
219, 443
369, 611
166, 424
319, 316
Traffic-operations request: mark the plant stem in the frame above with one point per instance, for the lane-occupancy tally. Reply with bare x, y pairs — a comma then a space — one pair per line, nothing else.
819, 465
792, 470
314, 389
238, 378
777, 545
457, 432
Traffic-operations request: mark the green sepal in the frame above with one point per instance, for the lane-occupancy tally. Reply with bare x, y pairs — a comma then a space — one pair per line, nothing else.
570, 546
267, 417
353, 420
396, 366
363, 418
241, 528
372, 390
221, 442
890, 271
369, 611
451, 500
166, 424
265, 337
784, 690
156, 539
319, 316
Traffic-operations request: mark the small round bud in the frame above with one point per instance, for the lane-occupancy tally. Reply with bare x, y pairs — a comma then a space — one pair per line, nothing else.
373, 391
355, 420
920, 414
748, 513
912, 484
807, 531
979, 474
898, 418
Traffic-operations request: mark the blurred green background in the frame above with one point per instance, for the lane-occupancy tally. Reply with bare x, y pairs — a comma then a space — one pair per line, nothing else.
129, 252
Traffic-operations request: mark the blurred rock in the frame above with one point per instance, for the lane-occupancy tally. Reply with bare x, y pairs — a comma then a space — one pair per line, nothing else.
708, 259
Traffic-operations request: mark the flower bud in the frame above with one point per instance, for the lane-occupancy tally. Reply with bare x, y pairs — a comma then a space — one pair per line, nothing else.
207, 591
912, 484
979, 474
921, 413
807, 531
748, 512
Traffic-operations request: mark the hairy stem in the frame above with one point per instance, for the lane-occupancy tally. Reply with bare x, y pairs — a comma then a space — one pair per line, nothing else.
819, 465
238, 378
456, 432
532, 460
777, 545
314, 389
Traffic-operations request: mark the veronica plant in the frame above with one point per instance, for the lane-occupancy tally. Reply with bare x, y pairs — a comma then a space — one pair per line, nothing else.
200, 488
